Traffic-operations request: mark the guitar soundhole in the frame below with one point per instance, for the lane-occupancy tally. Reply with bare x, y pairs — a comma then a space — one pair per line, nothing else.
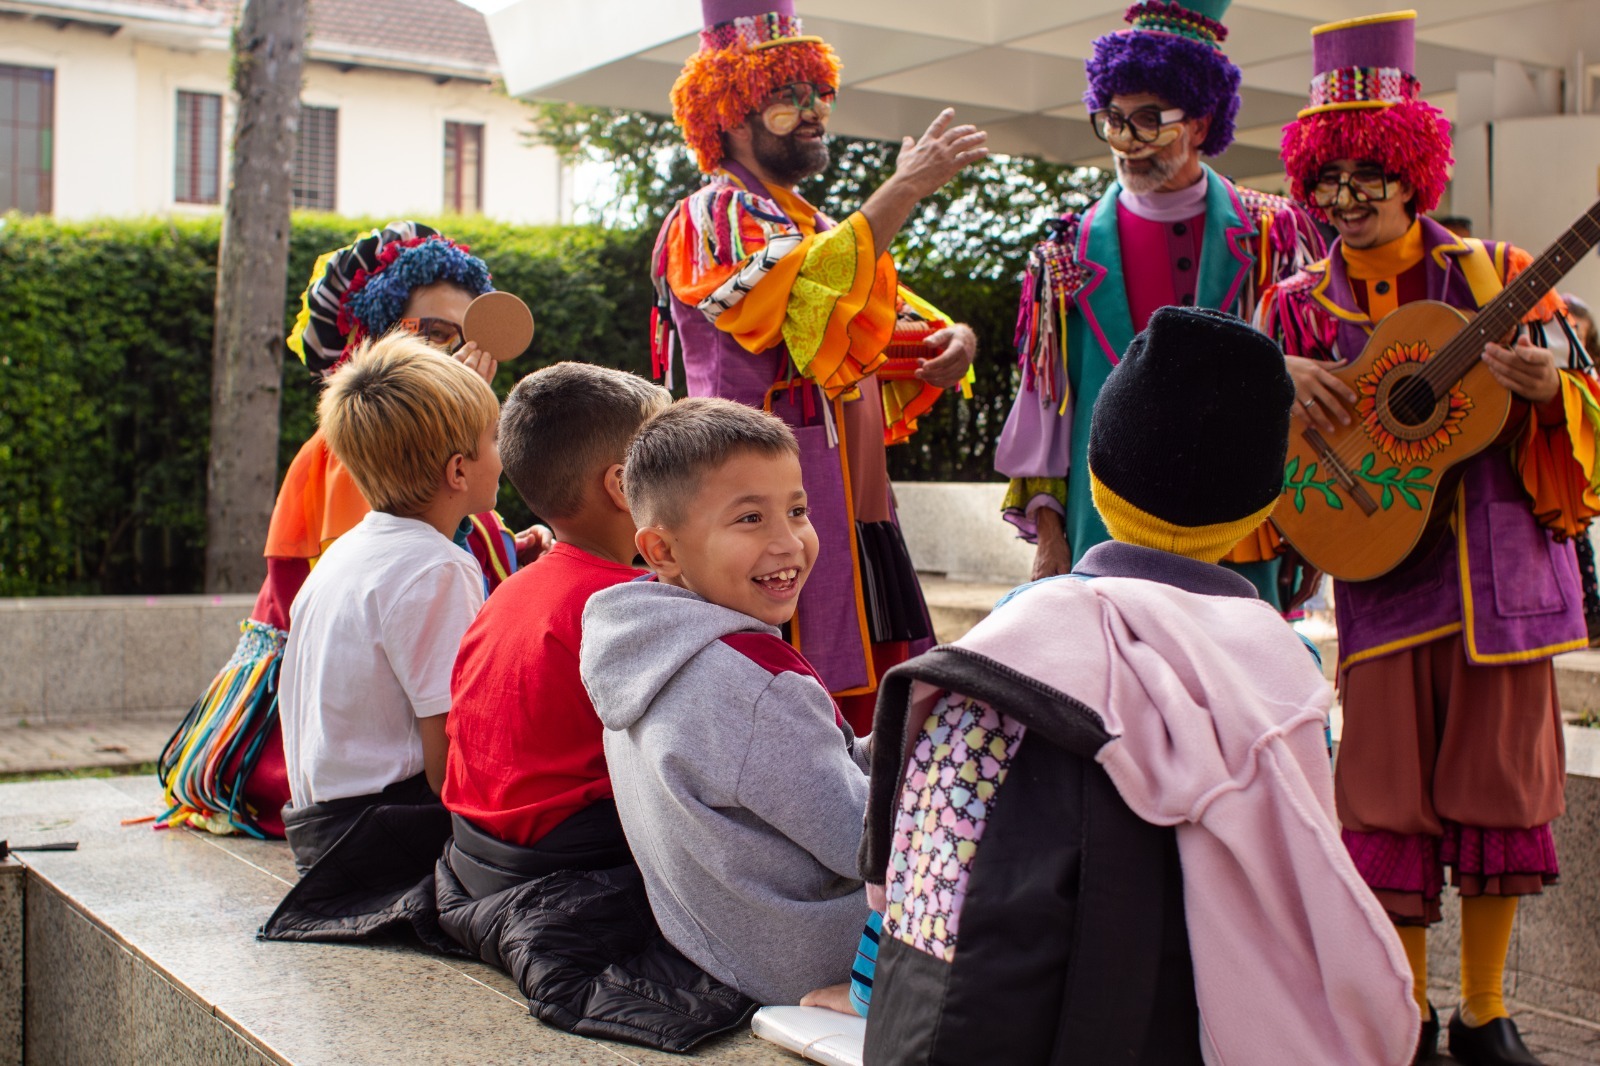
1412, 402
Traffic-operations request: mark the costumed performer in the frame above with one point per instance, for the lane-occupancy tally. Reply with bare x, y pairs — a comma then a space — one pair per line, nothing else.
1169, 231
779, 307
223, 769
1452, 750
1140, 863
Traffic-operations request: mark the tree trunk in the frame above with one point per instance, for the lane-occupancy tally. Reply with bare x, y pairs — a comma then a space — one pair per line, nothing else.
247, 357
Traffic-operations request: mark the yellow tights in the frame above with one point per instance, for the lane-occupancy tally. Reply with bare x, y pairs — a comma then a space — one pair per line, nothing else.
1485, 938
1415, 940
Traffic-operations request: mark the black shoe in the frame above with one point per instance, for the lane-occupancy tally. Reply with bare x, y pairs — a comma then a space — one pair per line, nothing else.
1496, 1043
1428, 1039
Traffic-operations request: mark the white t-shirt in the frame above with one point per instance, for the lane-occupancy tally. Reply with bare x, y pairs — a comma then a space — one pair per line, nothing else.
372, 638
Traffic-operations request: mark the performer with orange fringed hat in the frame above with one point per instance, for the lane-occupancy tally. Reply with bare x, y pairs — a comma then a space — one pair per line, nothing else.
1170, 231
1452, 749
776, 305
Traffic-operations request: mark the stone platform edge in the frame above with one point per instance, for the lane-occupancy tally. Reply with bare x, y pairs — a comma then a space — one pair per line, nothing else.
140, 947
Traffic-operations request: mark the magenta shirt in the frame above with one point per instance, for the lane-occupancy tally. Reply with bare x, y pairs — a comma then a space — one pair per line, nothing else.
1147, 241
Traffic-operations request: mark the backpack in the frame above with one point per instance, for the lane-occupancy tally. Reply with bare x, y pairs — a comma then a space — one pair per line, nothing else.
997, 832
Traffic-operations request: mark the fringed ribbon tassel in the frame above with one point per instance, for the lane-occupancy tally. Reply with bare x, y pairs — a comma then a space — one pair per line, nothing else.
205, 764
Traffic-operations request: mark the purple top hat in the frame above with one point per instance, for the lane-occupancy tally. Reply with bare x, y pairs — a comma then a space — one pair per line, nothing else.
750, 24
717, 12
1364, 63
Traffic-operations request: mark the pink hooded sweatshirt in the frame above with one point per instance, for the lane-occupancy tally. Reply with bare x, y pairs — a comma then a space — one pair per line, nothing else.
1217, 714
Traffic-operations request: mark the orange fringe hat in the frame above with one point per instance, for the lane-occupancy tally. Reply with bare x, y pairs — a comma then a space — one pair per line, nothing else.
748, 50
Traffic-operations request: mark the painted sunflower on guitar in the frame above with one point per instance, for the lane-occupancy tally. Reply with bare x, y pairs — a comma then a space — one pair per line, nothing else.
1403, 434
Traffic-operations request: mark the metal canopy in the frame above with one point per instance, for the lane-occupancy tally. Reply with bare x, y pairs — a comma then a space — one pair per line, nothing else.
1016, 66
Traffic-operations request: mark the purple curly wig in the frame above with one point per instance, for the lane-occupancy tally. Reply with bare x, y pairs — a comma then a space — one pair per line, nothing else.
1183, 72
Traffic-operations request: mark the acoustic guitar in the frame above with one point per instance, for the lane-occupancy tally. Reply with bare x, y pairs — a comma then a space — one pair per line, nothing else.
1359, 502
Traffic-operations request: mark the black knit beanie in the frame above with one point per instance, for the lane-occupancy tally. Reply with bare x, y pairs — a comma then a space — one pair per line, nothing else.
1189, 434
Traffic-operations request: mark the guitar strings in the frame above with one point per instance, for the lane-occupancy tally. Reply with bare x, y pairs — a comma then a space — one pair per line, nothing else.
1455, 359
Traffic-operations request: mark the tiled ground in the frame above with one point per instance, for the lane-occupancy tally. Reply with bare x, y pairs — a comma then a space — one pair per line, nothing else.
54, 746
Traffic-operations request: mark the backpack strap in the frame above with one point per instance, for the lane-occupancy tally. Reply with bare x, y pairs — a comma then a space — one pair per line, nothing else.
1068, 723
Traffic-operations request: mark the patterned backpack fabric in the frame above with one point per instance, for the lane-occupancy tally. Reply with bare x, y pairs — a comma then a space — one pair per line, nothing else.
1032, 917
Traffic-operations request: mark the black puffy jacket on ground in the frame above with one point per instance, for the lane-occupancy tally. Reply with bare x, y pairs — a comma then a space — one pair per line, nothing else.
583, 946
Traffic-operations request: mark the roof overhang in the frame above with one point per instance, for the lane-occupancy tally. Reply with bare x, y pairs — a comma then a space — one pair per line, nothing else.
1012, 66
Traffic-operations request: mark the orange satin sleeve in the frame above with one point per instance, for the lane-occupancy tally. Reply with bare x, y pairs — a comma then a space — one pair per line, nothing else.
1557, 463
756, 321
317, 503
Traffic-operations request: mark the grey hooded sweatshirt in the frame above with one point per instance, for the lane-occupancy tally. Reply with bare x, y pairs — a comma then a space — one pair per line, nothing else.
739, 792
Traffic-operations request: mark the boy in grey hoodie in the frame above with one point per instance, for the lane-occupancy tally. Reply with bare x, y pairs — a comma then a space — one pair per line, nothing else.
740, 787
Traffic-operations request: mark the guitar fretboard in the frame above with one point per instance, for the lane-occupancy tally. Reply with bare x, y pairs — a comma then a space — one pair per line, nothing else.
1502, 314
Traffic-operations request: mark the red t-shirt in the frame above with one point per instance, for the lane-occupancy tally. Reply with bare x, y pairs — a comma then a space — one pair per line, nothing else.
525, 743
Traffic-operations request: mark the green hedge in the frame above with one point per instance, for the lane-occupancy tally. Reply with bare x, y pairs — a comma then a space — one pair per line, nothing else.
105, 355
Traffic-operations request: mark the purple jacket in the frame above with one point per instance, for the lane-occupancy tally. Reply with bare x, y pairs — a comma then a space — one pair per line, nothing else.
1497, 576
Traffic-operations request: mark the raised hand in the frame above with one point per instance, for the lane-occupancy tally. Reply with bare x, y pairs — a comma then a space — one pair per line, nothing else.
941, 153
923, 167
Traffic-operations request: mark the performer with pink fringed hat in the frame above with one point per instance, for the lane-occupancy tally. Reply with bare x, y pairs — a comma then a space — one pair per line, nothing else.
776, 305
1452, 749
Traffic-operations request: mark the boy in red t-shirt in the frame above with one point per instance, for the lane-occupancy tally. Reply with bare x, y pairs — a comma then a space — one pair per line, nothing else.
526, 781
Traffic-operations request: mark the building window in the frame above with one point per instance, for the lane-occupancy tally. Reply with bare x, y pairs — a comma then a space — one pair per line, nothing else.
463, 167
316, 154
197, 173
27, 132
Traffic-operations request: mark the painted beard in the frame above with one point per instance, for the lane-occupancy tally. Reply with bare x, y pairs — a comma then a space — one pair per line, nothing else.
1145, 175
789, 159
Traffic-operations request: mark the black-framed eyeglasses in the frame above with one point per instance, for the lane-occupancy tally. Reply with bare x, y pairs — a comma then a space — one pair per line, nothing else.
1366, 184
439, 332
1142, 124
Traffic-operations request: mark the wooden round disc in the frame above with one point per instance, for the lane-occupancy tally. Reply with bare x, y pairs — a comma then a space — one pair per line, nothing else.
501, 324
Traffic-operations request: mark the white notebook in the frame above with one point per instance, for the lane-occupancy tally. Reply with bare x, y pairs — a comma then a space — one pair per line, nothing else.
813, 1033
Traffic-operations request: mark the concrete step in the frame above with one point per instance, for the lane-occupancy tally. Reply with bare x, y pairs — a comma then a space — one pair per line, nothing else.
139, 947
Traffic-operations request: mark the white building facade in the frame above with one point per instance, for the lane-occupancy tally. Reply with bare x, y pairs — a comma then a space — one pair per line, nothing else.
121, 109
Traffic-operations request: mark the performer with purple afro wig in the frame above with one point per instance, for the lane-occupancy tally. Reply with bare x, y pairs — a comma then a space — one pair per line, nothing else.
1173, 51
1169, 231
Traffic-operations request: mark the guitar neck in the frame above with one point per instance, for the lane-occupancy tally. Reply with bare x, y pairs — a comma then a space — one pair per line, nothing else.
1502, 314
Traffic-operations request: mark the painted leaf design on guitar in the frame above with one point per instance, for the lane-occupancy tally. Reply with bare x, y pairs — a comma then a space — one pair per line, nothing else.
1392, 481
1308, 480
1380, 404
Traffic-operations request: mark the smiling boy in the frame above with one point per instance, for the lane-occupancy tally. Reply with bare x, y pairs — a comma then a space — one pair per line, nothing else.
740, 787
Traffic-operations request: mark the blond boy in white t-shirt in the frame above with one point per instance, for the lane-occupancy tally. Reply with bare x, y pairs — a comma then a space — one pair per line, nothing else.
365, 681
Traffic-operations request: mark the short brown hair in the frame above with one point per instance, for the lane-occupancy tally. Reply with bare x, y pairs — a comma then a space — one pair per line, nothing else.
679, 446
565, 424
397, 412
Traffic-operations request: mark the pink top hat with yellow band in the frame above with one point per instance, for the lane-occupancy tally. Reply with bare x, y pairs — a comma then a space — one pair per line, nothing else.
1366, 105
748, 50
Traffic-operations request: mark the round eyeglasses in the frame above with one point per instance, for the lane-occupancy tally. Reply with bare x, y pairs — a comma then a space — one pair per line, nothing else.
781, 115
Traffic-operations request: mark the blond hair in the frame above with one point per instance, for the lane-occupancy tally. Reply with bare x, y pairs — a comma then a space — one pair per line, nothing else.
564, 425
677, 448
397, 412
